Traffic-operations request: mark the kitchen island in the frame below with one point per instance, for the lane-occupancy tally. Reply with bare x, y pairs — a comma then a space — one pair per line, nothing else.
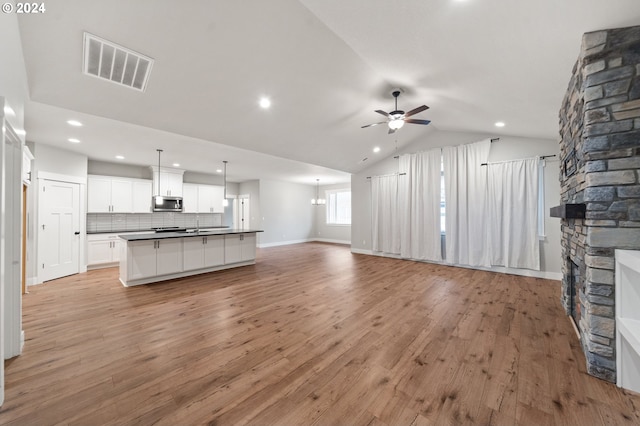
149, 258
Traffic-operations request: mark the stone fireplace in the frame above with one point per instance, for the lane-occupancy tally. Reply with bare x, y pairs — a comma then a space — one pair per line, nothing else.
600, 167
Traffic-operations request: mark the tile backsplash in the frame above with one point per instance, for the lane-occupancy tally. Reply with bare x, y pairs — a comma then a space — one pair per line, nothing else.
118, 222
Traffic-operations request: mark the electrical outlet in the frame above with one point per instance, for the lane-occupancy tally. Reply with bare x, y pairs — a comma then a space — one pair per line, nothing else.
364, 242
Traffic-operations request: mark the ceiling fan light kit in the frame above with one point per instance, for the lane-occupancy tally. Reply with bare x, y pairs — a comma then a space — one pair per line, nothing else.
397, 118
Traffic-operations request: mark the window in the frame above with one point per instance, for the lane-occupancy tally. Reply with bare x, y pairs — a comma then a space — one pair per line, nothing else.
339, 207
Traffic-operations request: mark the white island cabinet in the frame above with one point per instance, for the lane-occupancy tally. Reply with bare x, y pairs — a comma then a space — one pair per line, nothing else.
240, 247
149, 258
203, 252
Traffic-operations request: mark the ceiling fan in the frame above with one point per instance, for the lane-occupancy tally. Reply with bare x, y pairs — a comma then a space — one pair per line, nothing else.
397, 118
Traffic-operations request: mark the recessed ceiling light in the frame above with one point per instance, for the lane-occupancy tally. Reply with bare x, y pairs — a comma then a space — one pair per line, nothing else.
176, 164
119, 157
74, 140
265, 103
376, 149
219, 171
499, 124
74, 123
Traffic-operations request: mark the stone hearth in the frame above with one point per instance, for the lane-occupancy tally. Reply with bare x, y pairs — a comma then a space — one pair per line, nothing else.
600, 166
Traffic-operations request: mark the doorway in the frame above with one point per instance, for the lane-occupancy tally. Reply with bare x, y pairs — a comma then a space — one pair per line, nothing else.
59, 229
241, 207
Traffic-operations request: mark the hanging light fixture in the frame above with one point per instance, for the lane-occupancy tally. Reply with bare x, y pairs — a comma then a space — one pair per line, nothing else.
397, 121
159, 199
225, 202
318, 201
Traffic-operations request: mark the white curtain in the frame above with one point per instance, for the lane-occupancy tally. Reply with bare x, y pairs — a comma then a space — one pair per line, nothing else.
384, 216
419, 205
465, 181
513, 213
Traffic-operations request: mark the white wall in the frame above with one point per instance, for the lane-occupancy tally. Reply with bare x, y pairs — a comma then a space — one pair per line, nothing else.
507, 148
330, 233
52, 160
14, 94
286, 212
252, 188
106, 168
13, 74
55, 160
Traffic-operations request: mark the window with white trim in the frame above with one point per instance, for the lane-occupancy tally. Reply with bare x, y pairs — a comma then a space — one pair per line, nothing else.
338, 207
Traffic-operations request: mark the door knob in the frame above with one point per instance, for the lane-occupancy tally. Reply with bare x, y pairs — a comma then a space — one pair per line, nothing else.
76, 233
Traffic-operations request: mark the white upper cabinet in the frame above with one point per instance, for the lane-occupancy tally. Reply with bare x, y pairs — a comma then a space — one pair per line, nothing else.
170, 181
142, 193
107, 194
190, 198
202, 198
121, 195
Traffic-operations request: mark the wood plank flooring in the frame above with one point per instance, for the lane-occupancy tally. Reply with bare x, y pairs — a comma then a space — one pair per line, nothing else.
311, 334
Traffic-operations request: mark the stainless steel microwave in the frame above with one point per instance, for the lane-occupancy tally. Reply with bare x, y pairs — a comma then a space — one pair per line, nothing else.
166, 204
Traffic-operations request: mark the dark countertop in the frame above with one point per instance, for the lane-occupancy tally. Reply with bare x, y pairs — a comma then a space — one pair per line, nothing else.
183, 234
128, 231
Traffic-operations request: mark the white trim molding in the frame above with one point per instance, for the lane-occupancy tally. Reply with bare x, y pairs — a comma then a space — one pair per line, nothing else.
499, 269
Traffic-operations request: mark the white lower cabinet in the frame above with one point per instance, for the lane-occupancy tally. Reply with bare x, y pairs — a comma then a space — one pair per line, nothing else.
239, 248
102, 250
203, 252
149, 258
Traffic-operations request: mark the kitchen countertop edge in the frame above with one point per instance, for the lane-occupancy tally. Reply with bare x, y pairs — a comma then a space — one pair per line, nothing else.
165, 235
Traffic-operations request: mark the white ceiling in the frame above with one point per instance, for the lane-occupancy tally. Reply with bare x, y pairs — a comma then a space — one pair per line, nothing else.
325, 64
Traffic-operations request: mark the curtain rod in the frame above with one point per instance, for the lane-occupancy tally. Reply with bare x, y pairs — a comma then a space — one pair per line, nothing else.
399, 174
492, 140
542, 157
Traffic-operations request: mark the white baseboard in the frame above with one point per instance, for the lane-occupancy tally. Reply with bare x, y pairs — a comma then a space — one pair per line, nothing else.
21, 341
308, 240
283, 243
361, 251
328, 240
522, 272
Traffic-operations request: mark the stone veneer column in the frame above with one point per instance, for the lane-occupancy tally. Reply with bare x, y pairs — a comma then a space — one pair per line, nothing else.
600, 154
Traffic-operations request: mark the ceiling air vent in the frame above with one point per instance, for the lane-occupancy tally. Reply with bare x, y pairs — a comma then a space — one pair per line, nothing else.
109, 61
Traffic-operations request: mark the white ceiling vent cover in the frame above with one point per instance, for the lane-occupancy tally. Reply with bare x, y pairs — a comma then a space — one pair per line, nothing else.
109, 61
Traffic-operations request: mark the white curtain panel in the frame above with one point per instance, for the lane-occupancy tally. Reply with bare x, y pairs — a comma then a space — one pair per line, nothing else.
419, 206
465, 183
384, 215
513, 213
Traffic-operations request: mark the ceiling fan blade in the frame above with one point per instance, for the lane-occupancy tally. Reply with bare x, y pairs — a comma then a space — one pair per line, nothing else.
414, 121
382, 112
391, 131
416, 110
374, 124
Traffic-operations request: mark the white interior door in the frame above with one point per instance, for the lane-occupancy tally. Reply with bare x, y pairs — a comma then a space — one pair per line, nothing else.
59, 230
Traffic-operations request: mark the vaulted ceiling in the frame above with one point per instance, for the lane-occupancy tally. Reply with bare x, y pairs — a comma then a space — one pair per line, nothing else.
326, 65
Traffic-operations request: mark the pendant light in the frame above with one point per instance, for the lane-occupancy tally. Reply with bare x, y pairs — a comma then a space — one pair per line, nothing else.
225, 202
159, 198
318, 201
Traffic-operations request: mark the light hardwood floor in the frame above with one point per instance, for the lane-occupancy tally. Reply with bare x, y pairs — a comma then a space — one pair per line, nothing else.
311, 334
